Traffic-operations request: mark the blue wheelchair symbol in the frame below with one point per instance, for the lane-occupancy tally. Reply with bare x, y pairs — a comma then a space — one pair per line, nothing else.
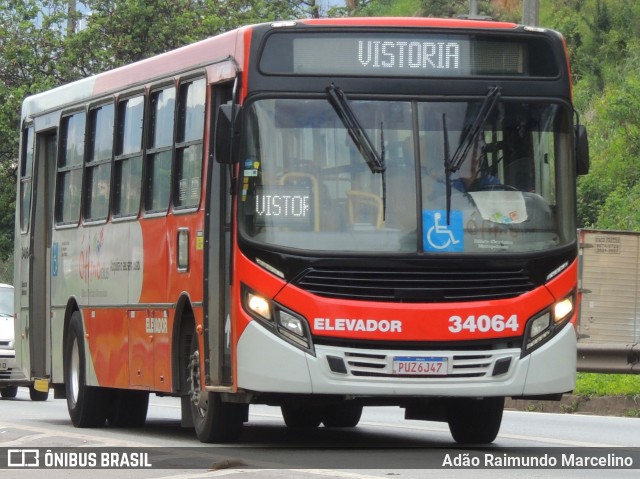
440, 236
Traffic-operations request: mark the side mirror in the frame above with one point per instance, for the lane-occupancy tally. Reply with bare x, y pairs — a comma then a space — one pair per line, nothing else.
225, 134
582, 150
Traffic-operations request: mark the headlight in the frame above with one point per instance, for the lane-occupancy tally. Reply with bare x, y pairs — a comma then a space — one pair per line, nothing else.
291, 323
294, 328
539, 324
258, 305
538, 330
285, 323
562, 309
543, 326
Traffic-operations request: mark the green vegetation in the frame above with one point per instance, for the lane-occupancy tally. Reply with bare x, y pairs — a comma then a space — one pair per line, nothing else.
41, 48
592, 384
604, 44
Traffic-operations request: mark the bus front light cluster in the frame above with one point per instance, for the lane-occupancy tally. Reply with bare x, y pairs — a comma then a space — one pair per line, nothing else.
539, 329
294, 328
285, 323
543, 326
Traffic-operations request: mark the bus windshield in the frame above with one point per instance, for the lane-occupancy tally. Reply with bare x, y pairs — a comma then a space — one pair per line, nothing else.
306, 185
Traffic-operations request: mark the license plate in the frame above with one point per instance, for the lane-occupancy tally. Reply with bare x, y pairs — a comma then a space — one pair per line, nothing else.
4, 365
419, 366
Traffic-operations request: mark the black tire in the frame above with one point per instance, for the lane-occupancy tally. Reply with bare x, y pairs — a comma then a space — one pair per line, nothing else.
300, 417
475, 421
36, 395
87, 405
214, 421
9, 392
342, 415
128, 408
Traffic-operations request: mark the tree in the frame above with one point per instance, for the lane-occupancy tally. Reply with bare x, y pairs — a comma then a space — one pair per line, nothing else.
31, 47
30, 52
41, 47
119, 32
604, 46
7, 200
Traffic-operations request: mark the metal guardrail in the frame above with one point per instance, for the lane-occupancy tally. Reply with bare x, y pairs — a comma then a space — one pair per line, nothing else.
609, 358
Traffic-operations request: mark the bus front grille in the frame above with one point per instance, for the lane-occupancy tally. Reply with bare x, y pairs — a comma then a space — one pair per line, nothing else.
419, 286
470, 365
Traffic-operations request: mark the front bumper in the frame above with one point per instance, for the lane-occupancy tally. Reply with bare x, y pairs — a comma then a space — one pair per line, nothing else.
266, 363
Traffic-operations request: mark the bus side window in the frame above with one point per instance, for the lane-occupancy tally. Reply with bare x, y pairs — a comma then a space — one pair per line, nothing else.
128, 161
98, 167
69, 176
189, 142
26, 171
160, 150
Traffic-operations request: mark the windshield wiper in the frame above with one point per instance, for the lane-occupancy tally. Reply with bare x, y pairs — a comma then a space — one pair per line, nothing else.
375, 161
447, 170
471, 131
468, 137
339, 102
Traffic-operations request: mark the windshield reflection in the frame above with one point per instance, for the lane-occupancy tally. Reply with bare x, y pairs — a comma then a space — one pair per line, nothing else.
306, 185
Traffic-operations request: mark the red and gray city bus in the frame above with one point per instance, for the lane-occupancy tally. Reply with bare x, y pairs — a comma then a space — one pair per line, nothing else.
319, 215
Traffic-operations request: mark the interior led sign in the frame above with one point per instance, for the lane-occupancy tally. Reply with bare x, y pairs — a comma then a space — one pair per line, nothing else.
283, 205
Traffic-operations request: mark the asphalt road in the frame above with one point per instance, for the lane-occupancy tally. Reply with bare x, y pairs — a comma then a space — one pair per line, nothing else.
384, 445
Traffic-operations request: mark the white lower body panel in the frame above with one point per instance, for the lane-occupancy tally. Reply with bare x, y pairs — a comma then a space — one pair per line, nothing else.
266, 363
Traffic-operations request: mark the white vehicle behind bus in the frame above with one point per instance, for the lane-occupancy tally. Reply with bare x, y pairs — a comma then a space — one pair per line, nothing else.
7, 351
11, 375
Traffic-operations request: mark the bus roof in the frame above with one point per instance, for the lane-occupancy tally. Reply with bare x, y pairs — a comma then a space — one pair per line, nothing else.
211, 50
409, 22
189, 57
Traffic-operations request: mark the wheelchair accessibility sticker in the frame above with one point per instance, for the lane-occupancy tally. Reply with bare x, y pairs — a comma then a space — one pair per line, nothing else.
440, 236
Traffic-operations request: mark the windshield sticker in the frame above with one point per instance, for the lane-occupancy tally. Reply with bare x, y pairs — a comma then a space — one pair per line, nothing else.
440, 236
504, 207
245, 188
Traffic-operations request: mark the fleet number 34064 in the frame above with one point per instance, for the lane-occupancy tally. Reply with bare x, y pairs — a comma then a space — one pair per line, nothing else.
483, 323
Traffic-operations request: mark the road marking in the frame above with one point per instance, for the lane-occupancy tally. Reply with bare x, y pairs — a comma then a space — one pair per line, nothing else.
342, 474
318, 472
86, 438
89, 440
445, 430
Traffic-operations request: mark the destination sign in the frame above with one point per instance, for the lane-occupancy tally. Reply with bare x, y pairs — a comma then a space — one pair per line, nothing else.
405, 54
384, 57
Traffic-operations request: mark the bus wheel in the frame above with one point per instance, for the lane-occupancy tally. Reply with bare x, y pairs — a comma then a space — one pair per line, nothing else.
298, 416
86, 404
9, 392
213, 419
342, 415
128, 408
475, 421
36, 395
